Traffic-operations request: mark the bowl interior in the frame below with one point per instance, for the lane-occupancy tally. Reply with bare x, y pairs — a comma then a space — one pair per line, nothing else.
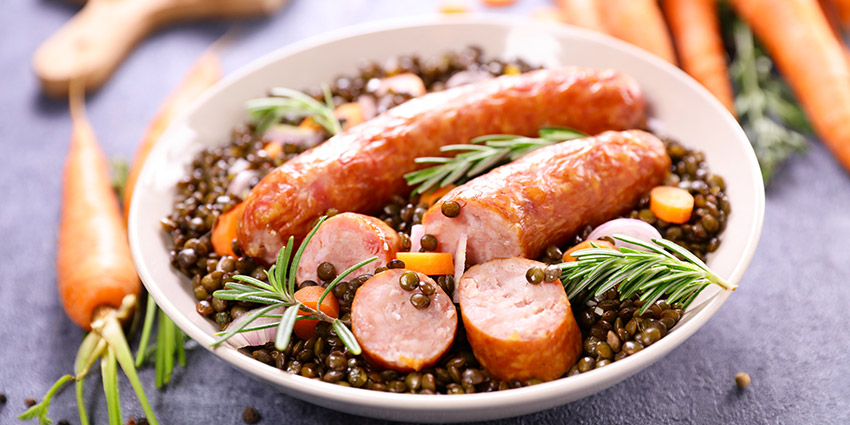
679, 107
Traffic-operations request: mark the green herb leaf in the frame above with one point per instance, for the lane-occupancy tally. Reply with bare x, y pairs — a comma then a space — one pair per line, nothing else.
346, 337
476, 158
767, 111
284, 329
651, 273
268, 111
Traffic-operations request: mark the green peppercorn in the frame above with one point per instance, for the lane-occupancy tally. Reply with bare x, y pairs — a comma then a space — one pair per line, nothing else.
427, 288
326, 271
395, 263
420, 301
409, 281
450, 209
534, 275
428, 242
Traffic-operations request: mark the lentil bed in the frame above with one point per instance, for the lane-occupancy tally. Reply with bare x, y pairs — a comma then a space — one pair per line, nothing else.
610, 328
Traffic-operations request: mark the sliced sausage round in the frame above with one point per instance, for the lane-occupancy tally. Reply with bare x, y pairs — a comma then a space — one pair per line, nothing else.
362, 168
518, 330
345, 240
549, 195
392, 332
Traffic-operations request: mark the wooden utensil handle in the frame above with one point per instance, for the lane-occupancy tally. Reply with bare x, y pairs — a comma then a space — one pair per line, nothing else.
95, 41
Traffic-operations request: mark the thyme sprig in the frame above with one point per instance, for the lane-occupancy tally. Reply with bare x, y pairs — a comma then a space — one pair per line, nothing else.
283, 102
481, 155
651, 273
278, 292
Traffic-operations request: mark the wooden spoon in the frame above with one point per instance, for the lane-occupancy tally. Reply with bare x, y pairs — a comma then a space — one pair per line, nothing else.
95, 41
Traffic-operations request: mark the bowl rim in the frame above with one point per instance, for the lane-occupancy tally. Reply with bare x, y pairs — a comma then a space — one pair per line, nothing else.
586, 383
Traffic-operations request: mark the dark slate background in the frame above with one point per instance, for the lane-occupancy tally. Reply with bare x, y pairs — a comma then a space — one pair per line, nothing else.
786, 326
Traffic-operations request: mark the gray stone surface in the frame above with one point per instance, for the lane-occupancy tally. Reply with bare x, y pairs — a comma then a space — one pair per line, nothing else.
786, 325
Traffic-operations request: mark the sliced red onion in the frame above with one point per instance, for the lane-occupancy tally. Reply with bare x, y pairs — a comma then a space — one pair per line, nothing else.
238, 166
242, 183
460, 262
293, 135
637, 229
467, 77
417, 231
258, 337
368, 106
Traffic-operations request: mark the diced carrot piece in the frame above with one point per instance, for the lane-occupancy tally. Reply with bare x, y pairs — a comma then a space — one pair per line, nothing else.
671, 204
454, 6
310, 124
430, 263
403, 83
309, 296
498, 3
273, 149
431, 198
224, 231
350, 112
585, 245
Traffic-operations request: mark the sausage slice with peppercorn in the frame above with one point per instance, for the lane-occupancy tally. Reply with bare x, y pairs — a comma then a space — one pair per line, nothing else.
518, 320
345, 240
403, 320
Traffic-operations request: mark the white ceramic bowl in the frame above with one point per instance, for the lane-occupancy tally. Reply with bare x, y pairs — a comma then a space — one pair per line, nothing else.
681, 107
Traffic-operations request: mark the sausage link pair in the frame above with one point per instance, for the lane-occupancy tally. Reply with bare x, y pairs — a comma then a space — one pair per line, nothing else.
361, 169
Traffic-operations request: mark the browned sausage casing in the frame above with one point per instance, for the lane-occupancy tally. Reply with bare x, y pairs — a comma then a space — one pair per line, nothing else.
392, 332
518, 330
549, 195
361, 169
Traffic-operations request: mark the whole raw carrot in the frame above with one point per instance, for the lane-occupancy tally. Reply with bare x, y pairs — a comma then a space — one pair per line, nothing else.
582, 13
797, 37
638, 22
203, 74
830, 11
94, 266
843, 8
696, 31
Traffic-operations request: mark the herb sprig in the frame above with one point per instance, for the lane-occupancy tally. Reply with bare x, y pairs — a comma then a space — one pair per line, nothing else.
651, 273
773, 121
280, 292
283, 102
480, 155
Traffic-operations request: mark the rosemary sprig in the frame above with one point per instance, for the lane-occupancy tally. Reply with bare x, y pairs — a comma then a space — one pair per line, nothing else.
651, 273
282, 102
480, 155
280, 292
773, 121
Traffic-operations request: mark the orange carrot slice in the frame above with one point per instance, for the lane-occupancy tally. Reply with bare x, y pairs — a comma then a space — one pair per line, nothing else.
498, 3
430, 263
224, 231
309, 296
350, 113
273, 149
585, 245
671, 204
431, 198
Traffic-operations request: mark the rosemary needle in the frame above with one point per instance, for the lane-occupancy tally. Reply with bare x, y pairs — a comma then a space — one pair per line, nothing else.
480, 155
282, 102
652, 272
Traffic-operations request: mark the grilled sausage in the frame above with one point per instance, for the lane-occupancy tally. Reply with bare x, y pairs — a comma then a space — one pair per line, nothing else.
518, 330
392, 332
549, 195
361, 169
345, 240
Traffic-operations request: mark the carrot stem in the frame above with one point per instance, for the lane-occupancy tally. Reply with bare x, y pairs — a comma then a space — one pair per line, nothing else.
150, 313
109, 374
81, 404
